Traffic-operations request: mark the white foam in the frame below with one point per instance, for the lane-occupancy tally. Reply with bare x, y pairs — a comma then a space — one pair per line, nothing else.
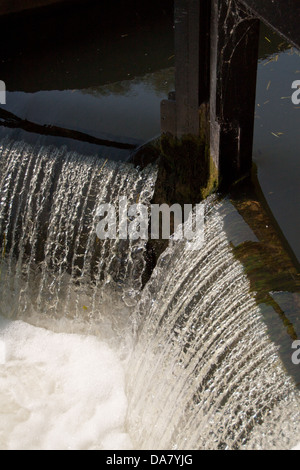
59, 391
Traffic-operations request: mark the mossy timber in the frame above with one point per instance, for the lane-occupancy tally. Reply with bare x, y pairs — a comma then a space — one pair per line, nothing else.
186, 175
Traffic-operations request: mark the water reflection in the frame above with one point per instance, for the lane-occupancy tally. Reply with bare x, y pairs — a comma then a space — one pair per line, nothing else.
277, 140
101, 74
126, 111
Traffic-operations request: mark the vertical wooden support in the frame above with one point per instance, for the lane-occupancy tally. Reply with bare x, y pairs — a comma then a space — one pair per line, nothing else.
180, 114
216, 48
187, 66
234, 56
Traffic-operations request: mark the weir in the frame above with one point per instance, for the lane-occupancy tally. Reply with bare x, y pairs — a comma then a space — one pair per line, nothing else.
204, 371
204, 337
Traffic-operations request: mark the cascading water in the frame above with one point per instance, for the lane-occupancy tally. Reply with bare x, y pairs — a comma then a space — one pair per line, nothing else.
52, 260
58, 389
203, 372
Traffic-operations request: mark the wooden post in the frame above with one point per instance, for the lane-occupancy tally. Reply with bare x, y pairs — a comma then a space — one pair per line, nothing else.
216, 47
180, 113
234, 56
187, 66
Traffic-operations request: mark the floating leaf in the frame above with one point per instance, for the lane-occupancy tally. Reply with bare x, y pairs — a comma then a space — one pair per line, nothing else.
103, 166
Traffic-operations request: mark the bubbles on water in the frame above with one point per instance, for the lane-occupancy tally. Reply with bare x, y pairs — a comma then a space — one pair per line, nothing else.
60, 392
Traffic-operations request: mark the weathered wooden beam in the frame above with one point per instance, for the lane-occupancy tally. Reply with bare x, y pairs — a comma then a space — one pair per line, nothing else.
216, 47
187, 66
180, 114
234, 56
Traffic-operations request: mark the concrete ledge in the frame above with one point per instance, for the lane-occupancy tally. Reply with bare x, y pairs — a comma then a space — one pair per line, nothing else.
14, 6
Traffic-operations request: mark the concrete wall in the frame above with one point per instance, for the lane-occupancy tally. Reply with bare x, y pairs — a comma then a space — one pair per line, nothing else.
13, 6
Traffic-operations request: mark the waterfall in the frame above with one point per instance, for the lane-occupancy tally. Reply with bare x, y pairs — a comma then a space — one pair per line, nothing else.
204, 373
52, 261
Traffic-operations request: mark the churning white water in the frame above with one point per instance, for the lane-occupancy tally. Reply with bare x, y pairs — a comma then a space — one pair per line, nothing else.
201, 370
59, 391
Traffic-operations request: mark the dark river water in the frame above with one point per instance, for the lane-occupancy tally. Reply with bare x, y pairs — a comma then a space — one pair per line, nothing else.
277, 138
104, 75
90, 70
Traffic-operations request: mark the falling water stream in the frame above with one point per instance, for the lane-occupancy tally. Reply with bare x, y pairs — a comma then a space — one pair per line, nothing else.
62, 372
90, 356
52, 258
89, 359
205, 374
